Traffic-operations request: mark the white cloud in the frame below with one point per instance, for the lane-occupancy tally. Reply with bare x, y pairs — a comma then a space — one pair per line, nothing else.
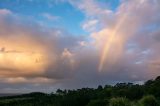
50, 16
122, 27
90, 25
5, 12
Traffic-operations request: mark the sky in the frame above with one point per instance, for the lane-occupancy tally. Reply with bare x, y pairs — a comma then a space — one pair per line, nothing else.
70, 44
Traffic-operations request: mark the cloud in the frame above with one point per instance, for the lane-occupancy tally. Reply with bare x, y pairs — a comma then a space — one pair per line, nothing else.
124, 47
21, 56
50, 16
123, 30
29, 53
21, 49
90, 25
5, 12
91, 7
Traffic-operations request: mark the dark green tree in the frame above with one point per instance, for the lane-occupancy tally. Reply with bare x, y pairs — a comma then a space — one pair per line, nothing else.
149, 100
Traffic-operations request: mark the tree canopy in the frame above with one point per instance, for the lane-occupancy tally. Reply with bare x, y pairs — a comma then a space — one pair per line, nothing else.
120, 94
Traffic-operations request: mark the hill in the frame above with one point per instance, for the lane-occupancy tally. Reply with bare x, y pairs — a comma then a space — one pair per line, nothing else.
121, 94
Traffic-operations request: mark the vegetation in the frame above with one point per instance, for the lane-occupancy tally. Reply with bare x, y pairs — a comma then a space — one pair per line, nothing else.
148, 101
119, 102
121, 94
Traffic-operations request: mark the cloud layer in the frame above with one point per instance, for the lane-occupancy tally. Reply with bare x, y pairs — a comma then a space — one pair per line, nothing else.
123, 45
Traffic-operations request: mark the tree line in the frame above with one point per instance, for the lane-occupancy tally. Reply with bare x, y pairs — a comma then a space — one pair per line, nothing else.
121, 94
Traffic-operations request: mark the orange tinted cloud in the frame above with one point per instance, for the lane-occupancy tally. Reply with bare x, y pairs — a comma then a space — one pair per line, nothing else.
22, 55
